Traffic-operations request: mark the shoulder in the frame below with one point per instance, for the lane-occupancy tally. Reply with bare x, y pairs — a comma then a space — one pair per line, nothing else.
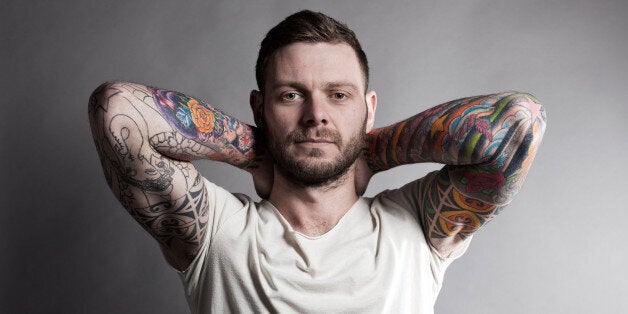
226, 204
409, 195
416, 199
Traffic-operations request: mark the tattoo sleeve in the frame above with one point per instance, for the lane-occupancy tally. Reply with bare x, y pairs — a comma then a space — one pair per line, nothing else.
487, 144
146, 138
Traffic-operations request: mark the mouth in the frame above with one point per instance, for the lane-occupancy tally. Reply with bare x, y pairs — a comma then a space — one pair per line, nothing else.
314, 138
316, 141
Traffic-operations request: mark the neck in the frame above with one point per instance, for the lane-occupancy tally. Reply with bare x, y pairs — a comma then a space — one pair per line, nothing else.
314, 210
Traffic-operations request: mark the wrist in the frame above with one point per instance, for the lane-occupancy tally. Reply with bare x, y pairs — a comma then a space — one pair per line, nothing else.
372, 152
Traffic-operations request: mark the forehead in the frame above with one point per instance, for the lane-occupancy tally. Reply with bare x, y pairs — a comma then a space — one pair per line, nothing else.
314, 64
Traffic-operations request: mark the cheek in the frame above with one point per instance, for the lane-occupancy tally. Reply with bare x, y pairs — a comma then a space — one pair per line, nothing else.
276, 124
354, 119
280, 118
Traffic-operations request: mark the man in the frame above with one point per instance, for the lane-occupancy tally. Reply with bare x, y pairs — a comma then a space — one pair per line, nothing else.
312, 244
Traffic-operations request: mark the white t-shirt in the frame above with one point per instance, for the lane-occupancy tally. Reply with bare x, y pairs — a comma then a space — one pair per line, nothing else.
375, 260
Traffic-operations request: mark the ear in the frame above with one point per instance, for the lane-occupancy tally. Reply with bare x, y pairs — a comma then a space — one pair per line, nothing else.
371, 106
256, 100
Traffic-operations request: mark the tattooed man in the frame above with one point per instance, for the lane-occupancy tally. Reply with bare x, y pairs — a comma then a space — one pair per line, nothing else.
312, 244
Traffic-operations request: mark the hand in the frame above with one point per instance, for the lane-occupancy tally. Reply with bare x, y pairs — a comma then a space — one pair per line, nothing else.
263, 174
363, 175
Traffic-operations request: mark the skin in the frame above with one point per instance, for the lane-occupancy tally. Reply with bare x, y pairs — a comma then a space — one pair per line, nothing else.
146, 138
487, 143
314, 87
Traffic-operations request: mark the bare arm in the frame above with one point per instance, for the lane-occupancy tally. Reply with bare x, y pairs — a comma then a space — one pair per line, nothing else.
487, 144
146, 138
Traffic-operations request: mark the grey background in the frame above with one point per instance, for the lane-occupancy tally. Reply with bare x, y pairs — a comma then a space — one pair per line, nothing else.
66, 246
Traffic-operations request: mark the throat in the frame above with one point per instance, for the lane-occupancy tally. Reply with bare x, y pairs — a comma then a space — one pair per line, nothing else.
314, 228
314, 219
313, 211
312, 223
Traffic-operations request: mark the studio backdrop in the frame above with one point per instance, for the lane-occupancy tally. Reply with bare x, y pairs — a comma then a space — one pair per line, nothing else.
67, 246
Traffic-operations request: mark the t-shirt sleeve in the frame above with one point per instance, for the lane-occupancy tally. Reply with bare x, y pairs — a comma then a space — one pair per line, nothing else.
411, 197
222, 205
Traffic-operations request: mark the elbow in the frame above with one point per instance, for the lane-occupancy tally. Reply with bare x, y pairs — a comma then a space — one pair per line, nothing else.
98, 98
520, 116
108, 100
529, 105
101, 96
519, 122
111, 98
530, 115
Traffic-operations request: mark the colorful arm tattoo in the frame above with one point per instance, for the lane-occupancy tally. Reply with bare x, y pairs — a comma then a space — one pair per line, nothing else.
487, 144
201, 131
145, 138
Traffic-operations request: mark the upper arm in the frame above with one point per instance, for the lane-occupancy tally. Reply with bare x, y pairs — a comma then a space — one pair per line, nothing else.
462, 198
167, 196
448, 215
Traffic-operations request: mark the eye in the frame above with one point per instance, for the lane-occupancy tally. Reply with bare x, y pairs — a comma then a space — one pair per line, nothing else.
290, 96
339, 96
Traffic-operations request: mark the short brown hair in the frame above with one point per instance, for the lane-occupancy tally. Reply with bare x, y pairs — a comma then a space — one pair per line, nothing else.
311, 27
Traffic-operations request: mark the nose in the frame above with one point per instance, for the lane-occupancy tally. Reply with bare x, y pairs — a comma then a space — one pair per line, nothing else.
314, 112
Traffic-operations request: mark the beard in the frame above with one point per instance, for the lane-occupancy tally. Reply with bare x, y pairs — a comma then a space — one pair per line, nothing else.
310, 171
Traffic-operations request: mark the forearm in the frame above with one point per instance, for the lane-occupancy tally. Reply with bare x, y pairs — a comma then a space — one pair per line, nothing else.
493, 135
183, 128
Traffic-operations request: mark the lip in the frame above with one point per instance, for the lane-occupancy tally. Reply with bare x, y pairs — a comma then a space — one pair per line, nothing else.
314, 143
314, 140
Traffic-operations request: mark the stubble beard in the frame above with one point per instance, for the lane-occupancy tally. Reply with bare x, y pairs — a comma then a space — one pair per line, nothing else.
309, 171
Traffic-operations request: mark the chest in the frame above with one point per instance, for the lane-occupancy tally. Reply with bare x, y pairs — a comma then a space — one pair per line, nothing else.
366, 254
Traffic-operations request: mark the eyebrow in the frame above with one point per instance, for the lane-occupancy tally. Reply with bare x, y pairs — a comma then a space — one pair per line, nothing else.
296, 85
330, 85
342, 84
